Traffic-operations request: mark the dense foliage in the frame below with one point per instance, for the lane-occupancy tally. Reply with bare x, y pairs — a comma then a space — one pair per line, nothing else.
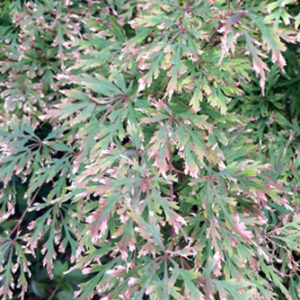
149, 149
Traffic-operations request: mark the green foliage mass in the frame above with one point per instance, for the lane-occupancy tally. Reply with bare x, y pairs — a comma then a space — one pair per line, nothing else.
149, 149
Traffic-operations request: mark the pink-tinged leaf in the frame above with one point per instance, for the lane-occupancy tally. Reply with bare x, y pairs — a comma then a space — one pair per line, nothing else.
261, 196
272, 40
277, 57
227, 28
196, 99
241, 229
218, 264
100, 217
258, 65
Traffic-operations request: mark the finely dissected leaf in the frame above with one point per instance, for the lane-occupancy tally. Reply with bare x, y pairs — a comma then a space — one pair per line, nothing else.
149, 149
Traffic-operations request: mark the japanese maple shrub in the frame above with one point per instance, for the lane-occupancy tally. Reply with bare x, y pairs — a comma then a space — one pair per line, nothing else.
146, 151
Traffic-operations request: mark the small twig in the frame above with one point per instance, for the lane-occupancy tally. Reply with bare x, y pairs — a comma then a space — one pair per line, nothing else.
171, 192
109, 110
170, 166
228, 4
185, 263
171, 169
18, 223
54, 292
17, 226
179, 171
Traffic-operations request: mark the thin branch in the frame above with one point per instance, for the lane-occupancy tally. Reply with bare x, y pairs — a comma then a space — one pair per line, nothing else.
54, 291
110, 109
185, 263
17, 226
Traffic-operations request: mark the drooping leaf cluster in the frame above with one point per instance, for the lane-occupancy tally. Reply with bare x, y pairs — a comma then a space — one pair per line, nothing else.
149, 149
